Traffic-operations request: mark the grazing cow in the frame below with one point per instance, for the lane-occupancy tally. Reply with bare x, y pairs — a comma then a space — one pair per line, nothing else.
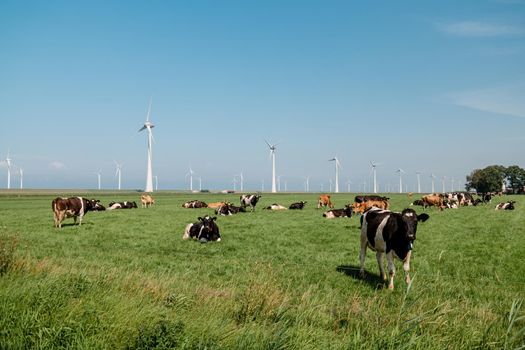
432, 200
75, 207
204, 230
298, 205
249, 199
122, 205
229, 209
361, 199
506, 206
276, 206
195, 204
324, 201
418, 202
370, 203
392, 233
339, 213
146, 200
216, 205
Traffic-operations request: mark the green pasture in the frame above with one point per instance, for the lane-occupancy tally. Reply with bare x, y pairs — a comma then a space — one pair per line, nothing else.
277, 280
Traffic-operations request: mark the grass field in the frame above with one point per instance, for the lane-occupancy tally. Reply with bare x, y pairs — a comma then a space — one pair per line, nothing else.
277, 280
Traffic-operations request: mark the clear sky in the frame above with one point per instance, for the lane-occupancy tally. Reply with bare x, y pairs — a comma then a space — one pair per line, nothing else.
430, 86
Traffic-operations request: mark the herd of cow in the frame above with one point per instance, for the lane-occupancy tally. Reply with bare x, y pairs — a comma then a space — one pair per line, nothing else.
383, 231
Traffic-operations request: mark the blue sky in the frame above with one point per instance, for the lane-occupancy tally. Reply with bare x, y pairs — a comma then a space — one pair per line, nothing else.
434, 86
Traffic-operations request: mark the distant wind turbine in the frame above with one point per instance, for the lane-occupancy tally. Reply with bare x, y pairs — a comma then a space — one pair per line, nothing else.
156, 183
452, 185
148, 125
118, 173
272, 155
337, 166
400, 172
190, 174
348, 183
374, 166
433, 177
307, 183
418, 174
8, 164
330, 181
241, 181
443, 183
21, 178
98, 177
262, 185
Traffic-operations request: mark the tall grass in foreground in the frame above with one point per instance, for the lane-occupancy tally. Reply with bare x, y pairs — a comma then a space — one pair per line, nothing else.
278, 280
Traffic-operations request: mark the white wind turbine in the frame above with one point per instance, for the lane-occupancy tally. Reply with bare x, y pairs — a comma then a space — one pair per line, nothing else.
190, 174
307, 183
241, 181
443, 183
433, 177
262, 185
118, 173
272, 154
98, 177
337, 166
156, 183
418, 174
8, 164
21, 172
374, 166
400, 172
452, 185
148, 125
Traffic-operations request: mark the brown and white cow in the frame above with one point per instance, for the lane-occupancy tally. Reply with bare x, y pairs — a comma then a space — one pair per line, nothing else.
75, 207
147, 200
324, 201
392, 233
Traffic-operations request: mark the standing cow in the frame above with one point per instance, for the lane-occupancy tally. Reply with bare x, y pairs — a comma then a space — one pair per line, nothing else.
324, 201
392, 233
249, 200
75, 207
146, 200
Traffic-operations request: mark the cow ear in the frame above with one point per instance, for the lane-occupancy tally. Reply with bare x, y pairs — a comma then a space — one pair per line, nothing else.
423, 217
199, 218
214, 218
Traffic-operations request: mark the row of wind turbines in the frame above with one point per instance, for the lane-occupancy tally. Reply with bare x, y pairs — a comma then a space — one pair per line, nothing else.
10, 166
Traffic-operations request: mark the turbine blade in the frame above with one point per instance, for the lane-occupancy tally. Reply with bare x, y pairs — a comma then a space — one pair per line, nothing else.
144, 127
149, 109
268, 143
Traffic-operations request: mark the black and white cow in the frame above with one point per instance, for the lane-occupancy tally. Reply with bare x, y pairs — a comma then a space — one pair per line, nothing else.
195, 204
249, 199
506, 206
298, 205
339, 213
229, 209
122, 205
392, 233
75, 207
204, 230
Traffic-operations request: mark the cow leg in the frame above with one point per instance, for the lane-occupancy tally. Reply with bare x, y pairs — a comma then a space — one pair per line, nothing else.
80, 220
391, 269
406, 267
61, 217
379, 257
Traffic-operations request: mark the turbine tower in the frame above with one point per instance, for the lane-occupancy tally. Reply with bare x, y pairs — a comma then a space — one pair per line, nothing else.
337, 166
190, 174
148, 125
98, 177
21, 178
118, 173
8, 163
418, 174
400, 172
307, 183
433, 177
374, 166
443, 183
272, 154
156, 183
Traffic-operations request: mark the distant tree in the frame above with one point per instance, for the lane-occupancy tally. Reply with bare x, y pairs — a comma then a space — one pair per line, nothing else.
515, 178
489, 179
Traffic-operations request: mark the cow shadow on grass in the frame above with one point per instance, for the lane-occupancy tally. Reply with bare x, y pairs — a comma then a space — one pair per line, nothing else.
373, 280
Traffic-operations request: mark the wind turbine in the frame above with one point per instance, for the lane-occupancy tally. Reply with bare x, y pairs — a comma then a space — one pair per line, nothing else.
348, 183
432, 176
262, 185
8, 163
156, 183
443, 183
307, 183
241, 179
190, 174
373, 166
330, 182
337, 166
118, 173
148, 125
418, 174
278, 183
98, 177
21, 178
401, 172
452, 185
272, 154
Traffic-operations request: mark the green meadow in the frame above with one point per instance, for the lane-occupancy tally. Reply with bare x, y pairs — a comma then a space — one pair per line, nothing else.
278, 280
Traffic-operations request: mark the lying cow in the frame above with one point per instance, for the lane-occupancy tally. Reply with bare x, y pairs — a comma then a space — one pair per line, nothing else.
75, 207
339, 213
146, 200
249, 200
418, 202
122, 205
229, 209
276, 206
195, 204
204, 230
298, 205
392, 233
216, 205
324, 201
506, 206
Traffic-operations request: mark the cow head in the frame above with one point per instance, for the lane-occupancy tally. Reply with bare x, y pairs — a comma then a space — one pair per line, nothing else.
209, 231
134, 204
410, 219
94, 205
